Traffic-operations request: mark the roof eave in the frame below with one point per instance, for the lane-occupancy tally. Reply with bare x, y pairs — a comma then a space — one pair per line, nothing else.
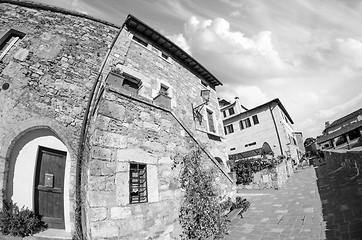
177, 53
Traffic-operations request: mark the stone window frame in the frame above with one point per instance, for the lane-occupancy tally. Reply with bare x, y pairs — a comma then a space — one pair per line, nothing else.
6, 38
123, 78
140, 41
170, 90
164, 90
213, 119
166, 57
143, 188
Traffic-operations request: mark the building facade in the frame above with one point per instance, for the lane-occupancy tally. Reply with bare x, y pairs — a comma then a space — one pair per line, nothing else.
252, 132
300, 143
92, 118
343, 133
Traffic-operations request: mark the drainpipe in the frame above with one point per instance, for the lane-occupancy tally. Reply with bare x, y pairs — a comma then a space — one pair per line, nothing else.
276, 129
82, 139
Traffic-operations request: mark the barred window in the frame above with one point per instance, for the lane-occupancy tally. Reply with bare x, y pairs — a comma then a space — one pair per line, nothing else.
138, 183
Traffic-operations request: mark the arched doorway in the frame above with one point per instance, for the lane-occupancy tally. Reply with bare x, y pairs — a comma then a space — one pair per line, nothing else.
38, 176
266, 149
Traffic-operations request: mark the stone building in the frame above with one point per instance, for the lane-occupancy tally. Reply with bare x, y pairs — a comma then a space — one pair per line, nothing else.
343, 133
262, 129
92, 115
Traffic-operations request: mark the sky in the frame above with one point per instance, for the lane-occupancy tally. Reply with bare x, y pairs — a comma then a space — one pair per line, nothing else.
307, 53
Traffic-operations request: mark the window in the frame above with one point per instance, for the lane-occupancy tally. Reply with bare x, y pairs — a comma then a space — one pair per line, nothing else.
229, 129
250, 144
247, 123
138, 183
255, 119
8, 41
232, 149
164, 56
164, 90
140, 41
131, 84
231, 111
241, 125
210, 120
224, 114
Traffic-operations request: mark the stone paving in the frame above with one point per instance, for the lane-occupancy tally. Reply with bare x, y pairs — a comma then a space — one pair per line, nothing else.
292, 212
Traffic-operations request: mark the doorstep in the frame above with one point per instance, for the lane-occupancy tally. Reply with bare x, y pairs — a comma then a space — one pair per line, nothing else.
59, 234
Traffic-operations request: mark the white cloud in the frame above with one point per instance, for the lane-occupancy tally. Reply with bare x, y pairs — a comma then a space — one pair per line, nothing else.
77, 7
233, 3
249, 96
351, 50
214, 42
236, 13
342, 109
307, 97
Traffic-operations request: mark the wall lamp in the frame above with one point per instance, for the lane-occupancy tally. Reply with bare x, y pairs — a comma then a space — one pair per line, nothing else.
205, 95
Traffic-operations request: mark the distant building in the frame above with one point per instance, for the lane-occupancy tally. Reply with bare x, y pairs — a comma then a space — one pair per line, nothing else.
251, 132
300, 142
343, 133
310, 147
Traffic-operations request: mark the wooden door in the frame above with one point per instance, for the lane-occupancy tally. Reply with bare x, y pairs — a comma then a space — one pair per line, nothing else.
49, 186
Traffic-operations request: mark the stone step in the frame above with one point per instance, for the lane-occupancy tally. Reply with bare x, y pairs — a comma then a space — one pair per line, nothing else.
52, 234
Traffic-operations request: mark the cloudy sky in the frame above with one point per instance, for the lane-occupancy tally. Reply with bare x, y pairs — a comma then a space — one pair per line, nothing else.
307, 53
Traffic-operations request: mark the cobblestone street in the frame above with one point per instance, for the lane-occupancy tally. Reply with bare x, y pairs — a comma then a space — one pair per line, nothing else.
293, 212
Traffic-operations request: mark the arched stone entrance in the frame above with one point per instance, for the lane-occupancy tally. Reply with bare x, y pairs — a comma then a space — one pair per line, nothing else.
37, 175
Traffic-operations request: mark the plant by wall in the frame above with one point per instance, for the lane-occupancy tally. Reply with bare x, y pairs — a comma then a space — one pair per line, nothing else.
240, 203
201, 214
246, 167
19, 222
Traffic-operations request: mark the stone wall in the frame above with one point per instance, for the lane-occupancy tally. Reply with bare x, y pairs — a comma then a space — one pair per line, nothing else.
129, 129
147, 65
51, 71
271, 178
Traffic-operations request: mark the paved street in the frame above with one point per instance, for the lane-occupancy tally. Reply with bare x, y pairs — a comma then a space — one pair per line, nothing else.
293, 212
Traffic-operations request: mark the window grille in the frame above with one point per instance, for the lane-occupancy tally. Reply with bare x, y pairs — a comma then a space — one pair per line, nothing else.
138, 183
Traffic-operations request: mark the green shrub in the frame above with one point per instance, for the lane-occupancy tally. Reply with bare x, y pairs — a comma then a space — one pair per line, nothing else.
19, 222
201, 214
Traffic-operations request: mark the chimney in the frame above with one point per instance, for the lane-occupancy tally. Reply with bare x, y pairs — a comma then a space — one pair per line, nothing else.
238, 108
326, 124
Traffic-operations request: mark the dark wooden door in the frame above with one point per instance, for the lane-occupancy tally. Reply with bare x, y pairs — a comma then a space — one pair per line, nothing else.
49, 186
